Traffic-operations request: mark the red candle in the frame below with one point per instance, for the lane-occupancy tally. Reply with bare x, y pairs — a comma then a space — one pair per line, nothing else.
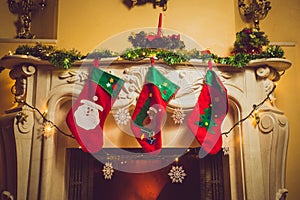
159, 33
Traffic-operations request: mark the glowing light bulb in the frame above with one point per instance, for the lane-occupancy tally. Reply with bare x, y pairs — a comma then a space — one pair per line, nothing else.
176, 159
45, 112
255, 118
48, 129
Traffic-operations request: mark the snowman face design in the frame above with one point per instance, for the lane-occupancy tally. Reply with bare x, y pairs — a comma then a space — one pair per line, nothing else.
87, 115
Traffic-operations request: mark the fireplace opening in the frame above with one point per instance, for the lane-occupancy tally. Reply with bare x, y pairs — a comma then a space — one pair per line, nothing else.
206, 178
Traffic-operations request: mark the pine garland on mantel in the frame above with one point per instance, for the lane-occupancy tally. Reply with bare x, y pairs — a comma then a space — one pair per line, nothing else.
248, 46
65, 58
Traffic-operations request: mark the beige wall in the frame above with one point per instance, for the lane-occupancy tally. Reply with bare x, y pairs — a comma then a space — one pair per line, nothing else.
283, 25
212, 24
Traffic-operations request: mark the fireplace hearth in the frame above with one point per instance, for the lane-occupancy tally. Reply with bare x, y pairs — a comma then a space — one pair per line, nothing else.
207, 178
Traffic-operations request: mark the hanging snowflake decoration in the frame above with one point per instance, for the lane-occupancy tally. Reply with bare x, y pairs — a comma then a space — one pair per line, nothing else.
122, 116
177, 174
178, 116
21, 117
108, 170
225, 145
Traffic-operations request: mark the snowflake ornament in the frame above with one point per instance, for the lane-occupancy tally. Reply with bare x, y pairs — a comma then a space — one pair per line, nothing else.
108, 170
177, 174
122, 116
178, 116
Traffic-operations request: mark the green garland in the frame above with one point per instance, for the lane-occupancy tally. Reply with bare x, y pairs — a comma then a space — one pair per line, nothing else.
65, 58
248, 46
242, 59
97, 54
169, 57
59, 58
238, 60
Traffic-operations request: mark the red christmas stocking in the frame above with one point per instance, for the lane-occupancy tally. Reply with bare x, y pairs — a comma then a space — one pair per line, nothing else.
206, 118
87, 115
150, 109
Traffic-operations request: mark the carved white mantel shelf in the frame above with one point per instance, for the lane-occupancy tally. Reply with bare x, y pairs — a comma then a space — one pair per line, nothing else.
35, 165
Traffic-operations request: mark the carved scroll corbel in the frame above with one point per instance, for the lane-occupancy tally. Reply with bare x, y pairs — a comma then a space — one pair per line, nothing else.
20, 74
267, 72
269, 76
73, 76
24, 118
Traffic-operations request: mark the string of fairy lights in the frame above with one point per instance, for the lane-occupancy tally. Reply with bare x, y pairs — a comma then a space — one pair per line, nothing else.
253, 113
48, 125
177, 172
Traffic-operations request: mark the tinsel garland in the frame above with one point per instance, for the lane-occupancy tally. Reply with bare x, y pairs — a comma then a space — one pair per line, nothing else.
65, 58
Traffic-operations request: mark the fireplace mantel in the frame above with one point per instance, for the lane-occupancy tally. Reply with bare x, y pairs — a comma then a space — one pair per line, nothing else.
34, 166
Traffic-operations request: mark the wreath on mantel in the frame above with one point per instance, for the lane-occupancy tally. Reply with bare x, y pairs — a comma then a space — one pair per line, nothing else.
248, 46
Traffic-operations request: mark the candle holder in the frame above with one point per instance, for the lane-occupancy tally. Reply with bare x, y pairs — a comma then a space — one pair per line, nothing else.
24, 9
159, 3
254, 11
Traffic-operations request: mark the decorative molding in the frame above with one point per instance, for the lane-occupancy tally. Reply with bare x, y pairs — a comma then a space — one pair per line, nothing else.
266, 123
273, 143
20, 74
283, 44
263, 72
6, 195
24, 121
269, 76
282, 122
267, 72
281, 194
134, 78
73, 76
18, 41
226, 75
189, 80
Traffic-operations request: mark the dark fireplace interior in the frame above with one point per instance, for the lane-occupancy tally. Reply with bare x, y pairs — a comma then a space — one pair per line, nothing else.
206, 178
